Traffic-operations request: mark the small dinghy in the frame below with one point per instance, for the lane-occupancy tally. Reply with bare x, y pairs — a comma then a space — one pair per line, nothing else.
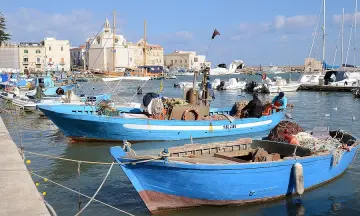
233, 173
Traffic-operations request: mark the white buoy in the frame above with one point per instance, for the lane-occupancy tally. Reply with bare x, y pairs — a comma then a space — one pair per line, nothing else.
298, 178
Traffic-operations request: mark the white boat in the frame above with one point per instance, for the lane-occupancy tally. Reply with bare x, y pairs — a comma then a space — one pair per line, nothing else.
274, 70
331, 78
109, 79
221, 69
277, 85
232, 84
187, 84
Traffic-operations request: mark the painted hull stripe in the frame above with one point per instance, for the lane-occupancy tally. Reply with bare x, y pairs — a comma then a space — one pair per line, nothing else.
194, 128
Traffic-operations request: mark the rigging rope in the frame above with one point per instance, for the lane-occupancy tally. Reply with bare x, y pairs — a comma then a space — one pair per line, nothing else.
316, 29
97, 191
348, 49
60, 185
89, 162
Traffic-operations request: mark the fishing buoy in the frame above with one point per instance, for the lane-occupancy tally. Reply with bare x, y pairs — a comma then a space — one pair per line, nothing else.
298, 178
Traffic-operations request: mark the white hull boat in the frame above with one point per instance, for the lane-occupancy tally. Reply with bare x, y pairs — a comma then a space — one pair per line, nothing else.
221, 69
110, 79
232, 84
330, 78
277, 85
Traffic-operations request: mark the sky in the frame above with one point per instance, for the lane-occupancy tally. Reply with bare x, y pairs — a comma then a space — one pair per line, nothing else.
277, 32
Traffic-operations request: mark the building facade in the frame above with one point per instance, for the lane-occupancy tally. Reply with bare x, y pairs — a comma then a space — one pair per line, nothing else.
185, 59
57, 54
31, 57
9, 56
78, 57
126, 54
311, 64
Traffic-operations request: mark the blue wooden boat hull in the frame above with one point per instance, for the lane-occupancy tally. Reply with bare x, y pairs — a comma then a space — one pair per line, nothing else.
170, 185
82, 124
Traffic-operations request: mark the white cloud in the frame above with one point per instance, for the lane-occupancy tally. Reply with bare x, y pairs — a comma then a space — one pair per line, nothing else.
348, 18
280, 23
179, 37
28, 24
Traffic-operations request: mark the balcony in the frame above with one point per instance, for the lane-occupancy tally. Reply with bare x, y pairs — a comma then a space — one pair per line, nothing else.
62, 63
25, 63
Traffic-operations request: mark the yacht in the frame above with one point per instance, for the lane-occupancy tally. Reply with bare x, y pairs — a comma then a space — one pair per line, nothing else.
221, 69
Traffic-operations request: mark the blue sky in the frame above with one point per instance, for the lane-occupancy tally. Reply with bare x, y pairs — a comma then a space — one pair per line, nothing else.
256, 31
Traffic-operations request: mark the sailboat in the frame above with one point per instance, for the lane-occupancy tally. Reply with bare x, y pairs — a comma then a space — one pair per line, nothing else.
330, 76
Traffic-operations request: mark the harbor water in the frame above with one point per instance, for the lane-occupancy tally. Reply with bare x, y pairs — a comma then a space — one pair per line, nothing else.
338, 110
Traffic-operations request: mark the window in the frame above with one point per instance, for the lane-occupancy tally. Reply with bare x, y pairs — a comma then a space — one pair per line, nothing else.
175, 61
62, 61
38, 60
25, 59
153, 62
164, 61
62, 69
172, 62
195, 59
130, 59
62, 49
180, 61
50, 59
26, 51
38, 51
49, 48
186, 61
78, 53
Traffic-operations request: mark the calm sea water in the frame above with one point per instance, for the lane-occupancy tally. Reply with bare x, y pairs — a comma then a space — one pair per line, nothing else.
337, 110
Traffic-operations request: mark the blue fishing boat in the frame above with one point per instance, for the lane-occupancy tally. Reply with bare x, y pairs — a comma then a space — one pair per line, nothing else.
86, 124
230, 173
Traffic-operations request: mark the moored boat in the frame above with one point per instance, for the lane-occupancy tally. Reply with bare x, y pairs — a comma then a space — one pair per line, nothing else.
231, 173
87, 123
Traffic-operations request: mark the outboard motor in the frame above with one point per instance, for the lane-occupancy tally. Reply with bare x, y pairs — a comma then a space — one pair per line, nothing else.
221, 86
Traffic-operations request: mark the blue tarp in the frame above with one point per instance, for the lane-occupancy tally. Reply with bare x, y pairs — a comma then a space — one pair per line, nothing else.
326, 66
4, 77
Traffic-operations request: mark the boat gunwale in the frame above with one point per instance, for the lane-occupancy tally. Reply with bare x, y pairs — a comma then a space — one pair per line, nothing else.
231, 166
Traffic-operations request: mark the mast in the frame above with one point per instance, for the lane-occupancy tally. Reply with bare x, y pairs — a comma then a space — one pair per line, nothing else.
342, 37
324, 32
145, 46
356, 5
114, 33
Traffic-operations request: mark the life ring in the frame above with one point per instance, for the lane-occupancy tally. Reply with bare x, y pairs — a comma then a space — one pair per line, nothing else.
196, 113
263, 76
60, 91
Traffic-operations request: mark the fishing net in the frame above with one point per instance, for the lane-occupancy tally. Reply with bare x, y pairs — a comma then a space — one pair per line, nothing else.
214, 117
157, 107
314, 144
171, 102
284, 127
238, 106
105, 108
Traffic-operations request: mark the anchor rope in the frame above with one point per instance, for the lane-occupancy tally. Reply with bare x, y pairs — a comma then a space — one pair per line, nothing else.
60, 185
97, 191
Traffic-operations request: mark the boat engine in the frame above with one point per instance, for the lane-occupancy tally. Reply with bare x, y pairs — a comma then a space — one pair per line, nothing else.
221, 87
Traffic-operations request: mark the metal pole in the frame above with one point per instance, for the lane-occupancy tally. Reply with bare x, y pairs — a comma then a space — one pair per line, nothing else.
342, 38
324, 33
114, 33
356, 5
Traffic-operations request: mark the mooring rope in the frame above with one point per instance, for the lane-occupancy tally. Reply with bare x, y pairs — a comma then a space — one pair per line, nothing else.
89, 162
97, 191
60, 185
